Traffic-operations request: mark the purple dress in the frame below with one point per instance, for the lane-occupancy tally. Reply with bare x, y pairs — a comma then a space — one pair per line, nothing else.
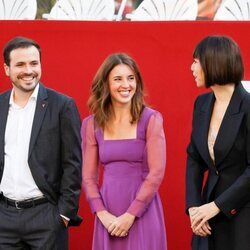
132, 172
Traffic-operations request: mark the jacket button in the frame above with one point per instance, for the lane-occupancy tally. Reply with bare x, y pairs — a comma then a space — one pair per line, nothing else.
233, 211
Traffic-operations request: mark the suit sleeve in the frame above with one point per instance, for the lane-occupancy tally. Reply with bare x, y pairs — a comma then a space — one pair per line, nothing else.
71, 161
156, 153
238, 194
195, 169
91, 165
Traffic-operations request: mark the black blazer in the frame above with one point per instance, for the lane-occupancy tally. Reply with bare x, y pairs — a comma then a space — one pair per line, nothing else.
228, 180
54, 151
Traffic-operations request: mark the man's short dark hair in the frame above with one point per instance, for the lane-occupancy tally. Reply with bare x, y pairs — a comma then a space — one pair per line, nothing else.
18, 42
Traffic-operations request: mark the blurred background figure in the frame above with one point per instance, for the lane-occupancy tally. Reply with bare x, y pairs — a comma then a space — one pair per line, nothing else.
44, 6
207, 9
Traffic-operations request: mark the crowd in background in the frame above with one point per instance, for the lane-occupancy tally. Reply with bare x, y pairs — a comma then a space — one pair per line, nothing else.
206, 9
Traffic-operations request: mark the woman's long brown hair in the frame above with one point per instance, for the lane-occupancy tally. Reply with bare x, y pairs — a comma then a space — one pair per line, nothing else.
99, 101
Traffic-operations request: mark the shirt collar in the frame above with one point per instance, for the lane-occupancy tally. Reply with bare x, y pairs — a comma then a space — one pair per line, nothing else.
32, 97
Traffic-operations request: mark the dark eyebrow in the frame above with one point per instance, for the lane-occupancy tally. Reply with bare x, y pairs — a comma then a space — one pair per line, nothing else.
20, 62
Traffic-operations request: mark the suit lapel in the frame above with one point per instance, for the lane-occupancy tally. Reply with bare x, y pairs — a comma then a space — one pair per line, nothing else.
230, 126
41, 107
202, 122
4, 104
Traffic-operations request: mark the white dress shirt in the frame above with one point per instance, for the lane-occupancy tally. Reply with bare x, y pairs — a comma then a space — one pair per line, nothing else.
17, 181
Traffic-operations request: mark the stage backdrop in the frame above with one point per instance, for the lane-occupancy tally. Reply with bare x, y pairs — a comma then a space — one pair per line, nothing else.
72, 52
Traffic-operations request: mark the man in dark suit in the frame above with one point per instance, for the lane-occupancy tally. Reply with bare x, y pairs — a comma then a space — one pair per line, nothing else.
40, 156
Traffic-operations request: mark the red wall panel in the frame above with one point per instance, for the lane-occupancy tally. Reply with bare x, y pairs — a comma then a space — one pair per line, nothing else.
71, 54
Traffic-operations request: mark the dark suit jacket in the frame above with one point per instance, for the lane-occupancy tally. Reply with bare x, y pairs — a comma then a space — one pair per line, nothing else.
54, 151
228, 181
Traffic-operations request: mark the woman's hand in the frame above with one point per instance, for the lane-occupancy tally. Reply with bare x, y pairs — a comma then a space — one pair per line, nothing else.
106, 218
199, 217
121, 225
205, 230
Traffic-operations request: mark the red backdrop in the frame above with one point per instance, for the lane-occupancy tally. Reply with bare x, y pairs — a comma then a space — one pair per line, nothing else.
71, 54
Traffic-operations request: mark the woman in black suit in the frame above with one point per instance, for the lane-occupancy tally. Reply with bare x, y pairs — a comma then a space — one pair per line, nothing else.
220, 145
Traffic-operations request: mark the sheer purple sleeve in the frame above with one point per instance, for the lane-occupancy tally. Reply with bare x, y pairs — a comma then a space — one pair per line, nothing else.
156, 154
91, 165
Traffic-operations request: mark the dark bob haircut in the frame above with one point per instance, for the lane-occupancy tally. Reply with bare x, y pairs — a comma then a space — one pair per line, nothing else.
16, 43
220, 59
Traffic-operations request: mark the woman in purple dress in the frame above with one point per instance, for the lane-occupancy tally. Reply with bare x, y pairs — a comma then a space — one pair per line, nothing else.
127, 139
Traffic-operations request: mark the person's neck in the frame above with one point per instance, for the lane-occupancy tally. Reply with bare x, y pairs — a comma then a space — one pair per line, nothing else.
121, 113
223, 93
20, 97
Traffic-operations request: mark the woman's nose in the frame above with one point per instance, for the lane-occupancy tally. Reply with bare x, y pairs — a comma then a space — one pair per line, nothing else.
125, 83
192, 67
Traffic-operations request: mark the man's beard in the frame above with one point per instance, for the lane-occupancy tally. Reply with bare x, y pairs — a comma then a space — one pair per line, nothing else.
33, 75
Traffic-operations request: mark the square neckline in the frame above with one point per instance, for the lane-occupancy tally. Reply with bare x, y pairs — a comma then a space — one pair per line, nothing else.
125, 139
122, 139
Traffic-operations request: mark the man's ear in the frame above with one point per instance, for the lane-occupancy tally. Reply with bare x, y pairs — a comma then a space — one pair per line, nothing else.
6, 69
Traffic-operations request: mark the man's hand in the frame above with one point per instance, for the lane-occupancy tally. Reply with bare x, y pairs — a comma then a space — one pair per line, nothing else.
66, 222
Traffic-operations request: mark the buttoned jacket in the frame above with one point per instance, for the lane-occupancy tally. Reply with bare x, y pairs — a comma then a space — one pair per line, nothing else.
228, 177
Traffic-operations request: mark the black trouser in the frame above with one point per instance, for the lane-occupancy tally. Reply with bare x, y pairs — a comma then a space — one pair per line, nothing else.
38, 228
